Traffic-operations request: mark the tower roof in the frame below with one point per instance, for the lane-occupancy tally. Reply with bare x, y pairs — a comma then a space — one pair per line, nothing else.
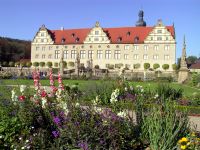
141, 22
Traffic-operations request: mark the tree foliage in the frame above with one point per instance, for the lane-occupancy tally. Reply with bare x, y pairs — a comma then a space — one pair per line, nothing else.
165, 66
14, 49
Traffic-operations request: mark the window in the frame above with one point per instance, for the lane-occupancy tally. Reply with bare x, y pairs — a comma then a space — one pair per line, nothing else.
126, 47
36, 56
90, 54
125, 56
146, 47
89, 39
73, 34
159, 31
42, 40
167, 38
96, 39
156, 47
108, 54
73, 54
50, 47
37, 48
151, 38
136, 47
117, 54
136, 39
50, 56
155, 57
65, 47
96, 32
159, 38
83, 54
42, 34
145, 56
99, 54
43, 48
166, 57
43, 56
57, 47
99, 46
77, 40
57, 52
128, 33
135, 56
166, 47
65, 54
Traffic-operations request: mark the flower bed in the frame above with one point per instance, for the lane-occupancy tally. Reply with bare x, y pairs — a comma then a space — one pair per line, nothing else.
57, 119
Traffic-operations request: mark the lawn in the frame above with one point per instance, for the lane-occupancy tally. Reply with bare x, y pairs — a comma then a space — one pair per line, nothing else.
187, 90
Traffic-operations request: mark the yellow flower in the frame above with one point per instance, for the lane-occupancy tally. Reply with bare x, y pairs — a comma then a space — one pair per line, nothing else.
183, 146
184, 139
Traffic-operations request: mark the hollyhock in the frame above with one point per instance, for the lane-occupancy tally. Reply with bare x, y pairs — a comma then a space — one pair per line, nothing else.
43, 94
22, 98
61, 86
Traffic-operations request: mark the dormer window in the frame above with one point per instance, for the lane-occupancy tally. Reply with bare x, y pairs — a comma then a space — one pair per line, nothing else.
77, 39
119, 39
63, 40
136, 39
73, 34
128, 33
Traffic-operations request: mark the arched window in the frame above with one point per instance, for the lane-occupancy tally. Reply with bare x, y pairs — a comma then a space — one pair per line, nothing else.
136, 39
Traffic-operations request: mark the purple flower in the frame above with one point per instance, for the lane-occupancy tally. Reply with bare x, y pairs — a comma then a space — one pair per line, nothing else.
56, 120
83, 145
55, 133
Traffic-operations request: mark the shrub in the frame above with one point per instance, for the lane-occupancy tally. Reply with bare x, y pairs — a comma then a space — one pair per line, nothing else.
55, 64
49, 64
165, 66
35, 64
118, 65
136, 66
96, 67
174, 67
23, 64
156, 66
70, 64
11, 64
5, 64
29, 64
109, 66
42, 64
146, 66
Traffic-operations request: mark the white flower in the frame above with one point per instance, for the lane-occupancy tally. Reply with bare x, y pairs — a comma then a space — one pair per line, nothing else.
20, 138
27, 141
1, 136
22, 147
126, 89
97, 109
44, 101
122, 114
22, 88
131, 87
13, 95
114, 96
156, 96
77, 105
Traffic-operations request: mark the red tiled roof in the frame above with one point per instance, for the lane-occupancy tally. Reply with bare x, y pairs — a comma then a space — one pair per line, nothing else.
195, 66
113, 33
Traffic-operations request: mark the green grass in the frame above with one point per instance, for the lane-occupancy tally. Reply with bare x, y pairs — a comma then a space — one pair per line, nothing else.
187, 90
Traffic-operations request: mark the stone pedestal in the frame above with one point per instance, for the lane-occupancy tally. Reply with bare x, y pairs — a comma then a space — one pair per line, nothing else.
183, 75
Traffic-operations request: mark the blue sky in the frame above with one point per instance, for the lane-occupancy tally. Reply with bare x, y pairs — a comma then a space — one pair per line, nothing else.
22, 18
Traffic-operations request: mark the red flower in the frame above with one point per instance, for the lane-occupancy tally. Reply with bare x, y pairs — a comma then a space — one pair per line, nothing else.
43, 94
22, 98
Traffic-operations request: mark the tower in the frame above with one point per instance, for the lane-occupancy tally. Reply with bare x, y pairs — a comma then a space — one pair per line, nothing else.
141, 22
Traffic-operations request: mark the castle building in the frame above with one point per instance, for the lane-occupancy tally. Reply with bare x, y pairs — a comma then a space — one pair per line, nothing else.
121, 46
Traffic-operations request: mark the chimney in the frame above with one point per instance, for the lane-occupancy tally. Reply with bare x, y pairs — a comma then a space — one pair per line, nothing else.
62, 28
